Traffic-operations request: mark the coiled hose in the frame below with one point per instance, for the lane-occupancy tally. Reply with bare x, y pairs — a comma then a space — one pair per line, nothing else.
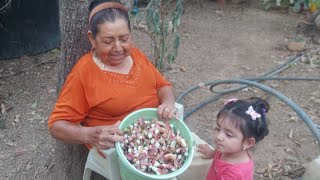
255, 82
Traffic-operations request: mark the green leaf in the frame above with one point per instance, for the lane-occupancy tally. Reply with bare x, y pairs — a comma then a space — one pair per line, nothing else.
176, 42
171, 58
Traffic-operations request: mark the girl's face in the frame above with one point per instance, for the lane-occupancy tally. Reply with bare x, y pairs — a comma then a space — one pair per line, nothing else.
112, 43
227, 138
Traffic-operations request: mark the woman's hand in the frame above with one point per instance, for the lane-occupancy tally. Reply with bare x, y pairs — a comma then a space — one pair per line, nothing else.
167, 111
105, 137
206, 150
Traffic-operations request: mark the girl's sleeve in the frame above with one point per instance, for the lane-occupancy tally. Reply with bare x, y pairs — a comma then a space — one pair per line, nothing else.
71, 105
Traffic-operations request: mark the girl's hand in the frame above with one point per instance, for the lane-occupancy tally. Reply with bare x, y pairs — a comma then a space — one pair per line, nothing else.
206, 150
105, 137
167, 111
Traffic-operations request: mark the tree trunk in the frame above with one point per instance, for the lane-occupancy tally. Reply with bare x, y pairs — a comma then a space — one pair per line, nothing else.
73, 28
70, 159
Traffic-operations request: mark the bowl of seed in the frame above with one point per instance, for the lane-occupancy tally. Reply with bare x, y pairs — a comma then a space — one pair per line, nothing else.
152, 148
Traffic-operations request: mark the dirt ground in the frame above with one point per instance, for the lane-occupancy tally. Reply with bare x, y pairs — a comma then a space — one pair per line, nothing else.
217, 43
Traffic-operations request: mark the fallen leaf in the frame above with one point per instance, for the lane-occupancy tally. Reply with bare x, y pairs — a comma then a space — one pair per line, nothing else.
3, 109
188, 36
10, 143
17, 118
55, 50
10, 70
201, 85
35, 104
51, 91
269, 169
261, 170
183, 69
290, 134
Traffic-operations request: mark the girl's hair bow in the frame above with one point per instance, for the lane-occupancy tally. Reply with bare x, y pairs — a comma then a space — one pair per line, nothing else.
254, 115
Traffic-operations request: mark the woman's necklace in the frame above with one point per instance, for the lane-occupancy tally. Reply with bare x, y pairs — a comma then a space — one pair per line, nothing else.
100, 64
104, 67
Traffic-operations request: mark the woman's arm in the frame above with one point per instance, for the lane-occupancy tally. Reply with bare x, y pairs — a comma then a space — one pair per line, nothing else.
167, 109
101, 137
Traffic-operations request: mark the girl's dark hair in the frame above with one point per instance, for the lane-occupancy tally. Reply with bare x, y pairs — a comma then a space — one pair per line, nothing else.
235, 111
106, 15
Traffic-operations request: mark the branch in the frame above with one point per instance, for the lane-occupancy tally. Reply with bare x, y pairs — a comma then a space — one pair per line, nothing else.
5, 5
143, 28
28, 68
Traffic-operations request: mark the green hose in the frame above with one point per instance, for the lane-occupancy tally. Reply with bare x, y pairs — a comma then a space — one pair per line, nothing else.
251, 81
289, 102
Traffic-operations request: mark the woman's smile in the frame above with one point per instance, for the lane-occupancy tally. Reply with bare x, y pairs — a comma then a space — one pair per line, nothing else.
117, 56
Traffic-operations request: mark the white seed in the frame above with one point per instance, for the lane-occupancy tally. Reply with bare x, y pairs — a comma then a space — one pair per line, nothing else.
186, 154
156, 131
138, 141
173, 144
156, 164
157, 145
149, 135
164, 165
126, 141
183, 142
130, 126
134, 131
146, 148
126, 136
179, 156
140, 137
153, 125
171, 125
129, 150
152, 141
138, 162
143, 168
135, 124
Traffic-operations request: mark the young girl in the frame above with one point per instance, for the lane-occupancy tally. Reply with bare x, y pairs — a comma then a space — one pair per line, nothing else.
240, 125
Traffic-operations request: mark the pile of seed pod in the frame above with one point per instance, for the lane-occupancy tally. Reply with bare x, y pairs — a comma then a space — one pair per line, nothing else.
154, 147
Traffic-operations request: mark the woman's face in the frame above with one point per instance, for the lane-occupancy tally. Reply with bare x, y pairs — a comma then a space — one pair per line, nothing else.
113, 42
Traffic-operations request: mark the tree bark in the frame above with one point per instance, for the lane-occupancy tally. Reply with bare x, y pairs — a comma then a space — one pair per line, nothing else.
73, 28
70, 159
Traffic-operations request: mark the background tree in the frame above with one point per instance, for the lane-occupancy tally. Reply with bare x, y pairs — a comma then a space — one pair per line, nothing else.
70, 159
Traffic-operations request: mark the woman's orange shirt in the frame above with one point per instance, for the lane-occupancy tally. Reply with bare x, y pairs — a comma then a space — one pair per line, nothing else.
95, 97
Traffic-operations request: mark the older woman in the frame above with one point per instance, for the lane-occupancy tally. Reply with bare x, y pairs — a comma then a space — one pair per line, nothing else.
108, 83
